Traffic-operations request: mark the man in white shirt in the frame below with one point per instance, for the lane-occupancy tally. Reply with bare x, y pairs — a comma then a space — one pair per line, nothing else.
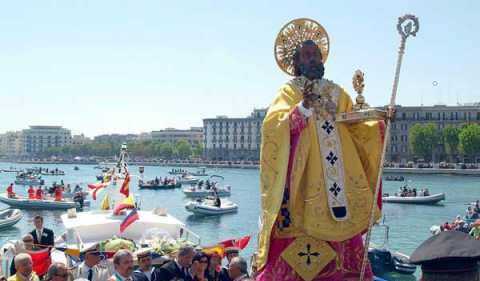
91, 269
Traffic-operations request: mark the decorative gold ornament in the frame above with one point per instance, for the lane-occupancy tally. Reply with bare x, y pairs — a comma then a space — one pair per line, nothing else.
292, 35
358, 82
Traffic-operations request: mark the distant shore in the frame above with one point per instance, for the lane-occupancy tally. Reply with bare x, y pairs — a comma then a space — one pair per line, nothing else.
386, 170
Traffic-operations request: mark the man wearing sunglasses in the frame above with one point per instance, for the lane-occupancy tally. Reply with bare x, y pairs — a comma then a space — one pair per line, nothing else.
91, 269
145, 271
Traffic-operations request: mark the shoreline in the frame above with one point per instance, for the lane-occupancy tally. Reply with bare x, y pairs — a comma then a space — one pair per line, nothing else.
386, 170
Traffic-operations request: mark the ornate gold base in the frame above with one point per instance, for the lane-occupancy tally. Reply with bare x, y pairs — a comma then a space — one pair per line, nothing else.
361, 116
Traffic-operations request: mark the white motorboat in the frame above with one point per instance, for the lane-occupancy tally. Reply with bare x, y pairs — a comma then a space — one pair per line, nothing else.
198, 192
187, 179
207, 207
47, 204
201, 172
10, 217
424, 200
85, 229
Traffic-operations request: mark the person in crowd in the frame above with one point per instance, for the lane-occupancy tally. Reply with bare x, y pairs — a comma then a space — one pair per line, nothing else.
10, 192
475, 231
123, 264
27, 240
218, 202
214, 267
462, 227
31, 192
57, 272
23, 247
414, 192
199, 267
426, 193
42, 237
24, 267
145, 271
180, 267
58, 193
39, 193
230, 253
476, 209
91, 269
238, 269
446, 226
451, 256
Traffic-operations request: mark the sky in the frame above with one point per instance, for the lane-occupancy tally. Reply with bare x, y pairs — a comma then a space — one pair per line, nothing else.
115, 66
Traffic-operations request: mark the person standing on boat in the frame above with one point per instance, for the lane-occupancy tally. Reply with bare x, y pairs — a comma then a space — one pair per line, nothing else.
42, 237
58, 193
123, 263
91, 269
318, 176
10, 192
39, 193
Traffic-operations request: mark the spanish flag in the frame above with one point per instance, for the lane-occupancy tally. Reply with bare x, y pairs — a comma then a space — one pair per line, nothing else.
129, 219
127, 203
125, 189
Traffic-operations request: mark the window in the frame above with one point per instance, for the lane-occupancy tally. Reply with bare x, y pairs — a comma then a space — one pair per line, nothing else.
404, 116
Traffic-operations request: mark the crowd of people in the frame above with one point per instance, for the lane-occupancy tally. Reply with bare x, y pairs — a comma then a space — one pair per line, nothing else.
189, 263
470, 223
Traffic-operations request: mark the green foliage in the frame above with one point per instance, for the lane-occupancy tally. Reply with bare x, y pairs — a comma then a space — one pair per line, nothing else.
423, 140
469, 139
145, 149
451, 139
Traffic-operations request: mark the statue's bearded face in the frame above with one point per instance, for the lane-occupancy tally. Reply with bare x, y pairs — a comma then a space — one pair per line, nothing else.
308, 61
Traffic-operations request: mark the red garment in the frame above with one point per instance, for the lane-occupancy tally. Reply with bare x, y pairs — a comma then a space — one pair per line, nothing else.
58, 194
10, 190
39, 194
31, 193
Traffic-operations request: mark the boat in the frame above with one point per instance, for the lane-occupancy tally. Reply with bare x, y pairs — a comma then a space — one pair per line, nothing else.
47, 204
201, 172
10, 217
53, 173
154, 185
195, 191
85, 229
423, 200
29, 181
187, 179
178, 172
76, 168
386, 262
207, 207
394, 178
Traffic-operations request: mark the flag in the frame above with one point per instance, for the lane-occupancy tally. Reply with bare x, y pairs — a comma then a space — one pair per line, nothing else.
125, 190
96, 187
127, 203
68, 251
105, 205
217, 249
239, 244
41, 260
129, 219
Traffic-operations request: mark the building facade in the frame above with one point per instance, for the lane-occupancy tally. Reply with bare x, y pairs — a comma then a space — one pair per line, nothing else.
37, 139
194, 135
398, 149
115, 138
80, 140
233, 138
11, 144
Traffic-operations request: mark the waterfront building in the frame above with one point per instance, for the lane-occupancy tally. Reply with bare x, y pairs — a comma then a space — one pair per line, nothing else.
228, 138
115, 138
398, 149
39, 138
81, 140
11, 144
193, 136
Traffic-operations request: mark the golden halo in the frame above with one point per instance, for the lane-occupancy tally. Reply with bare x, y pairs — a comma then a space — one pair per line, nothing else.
292, 35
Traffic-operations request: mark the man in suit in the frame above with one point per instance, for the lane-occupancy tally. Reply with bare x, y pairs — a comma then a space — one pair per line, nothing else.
178, 269
42, 236
145, 271
91, 269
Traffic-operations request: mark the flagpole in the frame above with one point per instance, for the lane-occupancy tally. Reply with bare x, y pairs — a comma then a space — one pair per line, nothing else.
407, 26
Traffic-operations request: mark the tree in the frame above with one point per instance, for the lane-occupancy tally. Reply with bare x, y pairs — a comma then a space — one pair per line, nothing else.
197, 150
183, 149
423, 140
166, 150
469, 139
451, 140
